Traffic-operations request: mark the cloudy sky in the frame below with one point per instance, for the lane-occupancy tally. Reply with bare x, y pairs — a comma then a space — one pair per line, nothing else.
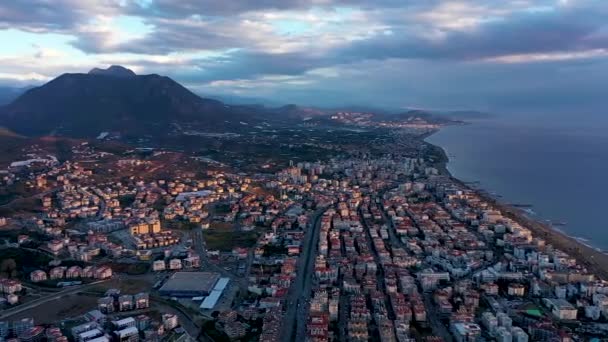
500, 55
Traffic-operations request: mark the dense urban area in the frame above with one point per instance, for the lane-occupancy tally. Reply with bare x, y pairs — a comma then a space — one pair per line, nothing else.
275, 234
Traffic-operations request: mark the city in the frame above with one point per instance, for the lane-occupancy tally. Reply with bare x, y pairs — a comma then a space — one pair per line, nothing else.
303, 171
355, 247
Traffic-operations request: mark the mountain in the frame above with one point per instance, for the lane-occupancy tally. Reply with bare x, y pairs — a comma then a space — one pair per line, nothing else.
7, 133
292, 111
117, 100
417, 115
114, 70
243, 100
9, 94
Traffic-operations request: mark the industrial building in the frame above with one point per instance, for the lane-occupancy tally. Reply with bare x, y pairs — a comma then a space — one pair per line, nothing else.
215, 295
190, 284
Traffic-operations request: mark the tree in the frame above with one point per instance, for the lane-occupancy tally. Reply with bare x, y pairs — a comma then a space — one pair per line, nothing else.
8, 268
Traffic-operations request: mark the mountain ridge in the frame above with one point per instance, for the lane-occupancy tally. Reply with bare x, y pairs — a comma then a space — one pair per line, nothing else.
113, 70
78, 104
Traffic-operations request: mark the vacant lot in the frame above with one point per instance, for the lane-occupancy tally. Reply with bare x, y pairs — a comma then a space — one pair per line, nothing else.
225, 239
62, 308
127, 285
132, 268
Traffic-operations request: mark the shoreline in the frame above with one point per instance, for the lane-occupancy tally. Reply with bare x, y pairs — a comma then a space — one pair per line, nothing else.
595, 261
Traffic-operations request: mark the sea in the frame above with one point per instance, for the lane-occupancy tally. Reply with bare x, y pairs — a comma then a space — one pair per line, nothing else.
553, 166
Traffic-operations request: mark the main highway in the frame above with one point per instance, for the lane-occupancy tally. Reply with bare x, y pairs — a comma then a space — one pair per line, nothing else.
294, 322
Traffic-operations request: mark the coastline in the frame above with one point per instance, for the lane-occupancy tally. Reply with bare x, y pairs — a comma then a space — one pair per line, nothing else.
595, 261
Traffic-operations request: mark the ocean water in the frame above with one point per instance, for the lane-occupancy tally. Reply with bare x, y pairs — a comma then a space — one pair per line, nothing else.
556, 164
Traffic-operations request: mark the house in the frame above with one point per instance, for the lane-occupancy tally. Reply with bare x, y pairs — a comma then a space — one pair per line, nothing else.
142, 300
103, 272
22, 238
561, 309
38, 276
73, 272
192, 262
10, 286
125, 303
175, 264
130, 334
240, 252
124, 323
12, 299
106, 305
55, 246
158, 265
170, 321
142, 322
87, 272
293, 250
96, 316
57, 272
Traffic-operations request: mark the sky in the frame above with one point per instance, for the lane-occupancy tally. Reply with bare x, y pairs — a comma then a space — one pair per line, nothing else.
492, 55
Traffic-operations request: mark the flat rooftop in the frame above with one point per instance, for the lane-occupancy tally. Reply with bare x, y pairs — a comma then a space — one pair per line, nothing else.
124, 321
215, 295
190, 283
211, 300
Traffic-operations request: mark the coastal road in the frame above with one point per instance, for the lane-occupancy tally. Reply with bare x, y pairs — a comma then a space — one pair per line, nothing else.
294, 321
35, 303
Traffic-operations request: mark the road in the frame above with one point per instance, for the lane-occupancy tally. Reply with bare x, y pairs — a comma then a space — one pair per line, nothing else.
35, 303
294, 321
199, 245
185, 320
435, 323
369, 225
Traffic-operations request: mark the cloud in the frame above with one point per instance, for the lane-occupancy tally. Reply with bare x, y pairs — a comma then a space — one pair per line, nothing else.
387, 29
444, 84
184, 8
398, 52
52, 16
516, 34
267, 32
